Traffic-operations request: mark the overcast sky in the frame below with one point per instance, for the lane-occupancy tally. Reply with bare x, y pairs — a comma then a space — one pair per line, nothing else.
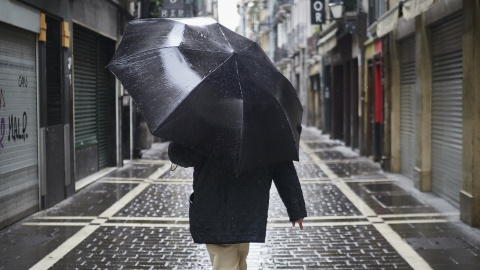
227, 13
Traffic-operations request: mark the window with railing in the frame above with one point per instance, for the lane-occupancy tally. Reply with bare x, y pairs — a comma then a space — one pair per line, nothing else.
375, 9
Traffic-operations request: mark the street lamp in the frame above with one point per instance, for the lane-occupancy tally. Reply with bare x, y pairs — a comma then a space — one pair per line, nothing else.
337, 8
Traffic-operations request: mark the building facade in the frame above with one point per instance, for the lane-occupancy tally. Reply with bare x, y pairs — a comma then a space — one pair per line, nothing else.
398, 81
64, 119
59, 110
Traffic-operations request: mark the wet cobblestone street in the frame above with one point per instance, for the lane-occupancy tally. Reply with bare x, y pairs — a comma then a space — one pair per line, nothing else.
360, 217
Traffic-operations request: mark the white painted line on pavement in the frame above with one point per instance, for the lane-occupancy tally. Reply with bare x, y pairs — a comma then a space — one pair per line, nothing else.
124, 178
81, 235
118, 205
411, 221
418, 215
319, 224
317, 218
369, 180
150, 161
66, 217
52, 258
350, 160
172, 219
173, 179
346, 190
80, 184
318, 161
159, 172
121, 181
63, 224
355, 199
403, 248
322, 149
147, 225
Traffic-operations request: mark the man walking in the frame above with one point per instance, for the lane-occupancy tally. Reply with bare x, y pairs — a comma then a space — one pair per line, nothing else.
228, 212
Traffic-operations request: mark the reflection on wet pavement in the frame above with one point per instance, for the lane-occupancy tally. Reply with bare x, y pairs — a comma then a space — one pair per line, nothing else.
322, 145
178, 173
94, 200
160, 200
137, 218
387, 188
402, 201
333, 155
23, 246
320, 200
354, 168
134, 170
136, 248
308, 170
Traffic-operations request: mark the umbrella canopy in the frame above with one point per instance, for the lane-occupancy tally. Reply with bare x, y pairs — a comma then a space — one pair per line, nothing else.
199, 84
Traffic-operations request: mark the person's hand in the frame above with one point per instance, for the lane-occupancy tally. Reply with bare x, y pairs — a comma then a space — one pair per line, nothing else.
299, 221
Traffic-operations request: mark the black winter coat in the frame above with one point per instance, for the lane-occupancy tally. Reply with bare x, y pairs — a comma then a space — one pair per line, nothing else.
225, 209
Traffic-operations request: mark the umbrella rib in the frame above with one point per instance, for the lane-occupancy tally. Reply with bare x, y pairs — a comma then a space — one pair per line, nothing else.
243, 110
129, 57
190, 92
284, 112
225, 36
289, 122
251, 44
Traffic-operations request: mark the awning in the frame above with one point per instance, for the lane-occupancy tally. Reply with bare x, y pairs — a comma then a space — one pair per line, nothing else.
387, 22
328, 42
412, 8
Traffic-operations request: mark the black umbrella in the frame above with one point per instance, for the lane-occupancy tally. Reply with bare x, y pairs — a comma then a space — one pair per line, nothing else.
199, 84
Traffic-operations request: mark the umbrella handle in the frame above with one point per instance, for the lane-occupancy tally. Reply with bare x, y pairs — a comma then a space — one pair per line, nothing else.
173, 167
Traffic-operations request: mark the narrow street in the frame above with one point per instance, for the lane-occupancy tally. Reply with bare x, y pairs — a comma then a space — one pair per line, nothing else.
359, 218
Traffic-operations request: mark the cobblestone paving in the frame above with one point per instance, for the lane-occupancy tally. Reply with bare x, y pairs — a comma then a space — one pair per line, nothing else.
349, 169
307, 170
320, 199
137, 248
303, 157
322, 145
334, 155
358, 219
178, 173
167, 200
339, 247
442, 244
99, 196
23, 246
393, 192
160, 200
329, 247
134, 170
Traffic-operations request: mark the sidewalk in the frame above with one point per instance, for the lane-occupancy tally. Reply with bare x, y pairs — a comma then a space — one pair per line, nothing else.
136, 217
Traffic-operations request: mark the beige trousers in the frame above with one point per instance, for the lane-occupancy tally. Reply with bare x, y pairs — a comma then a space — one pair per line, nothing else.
228, 256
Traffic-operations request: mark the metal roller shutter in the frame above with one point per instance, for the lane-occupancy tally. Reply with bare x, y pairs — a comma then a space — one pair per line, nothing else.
18, 125
407, 101
106, 89
85, 81
94, 95
447, 108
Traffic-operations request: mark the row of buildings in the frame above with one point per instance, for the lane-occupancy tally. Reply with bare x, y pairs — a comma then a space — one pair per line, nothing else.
399, 81
63, 117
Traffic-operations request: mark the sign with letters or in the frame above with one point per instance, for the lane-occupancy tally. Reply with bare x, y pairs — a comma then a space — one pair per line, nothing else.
173, 9
318, 11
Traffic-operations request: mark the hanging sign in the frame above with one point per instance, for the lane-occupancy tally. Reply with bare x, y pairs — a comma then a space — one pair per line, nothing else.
173, 9
317, 8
